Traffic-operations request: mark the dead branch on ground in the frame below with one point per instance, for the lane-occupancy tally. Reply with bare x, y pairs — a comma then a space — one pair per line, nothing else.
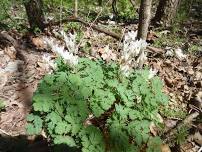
73, 19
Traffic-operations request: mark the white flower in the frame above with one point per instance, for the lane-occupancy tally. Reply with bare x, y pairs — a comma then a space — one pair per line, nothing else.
50, 63
169, 52
46, 58
152, 73
107, 54
68, 57
179, 54
130, 36
141, 59
111, 16
133, 52
126, 69
70, 42
58, 49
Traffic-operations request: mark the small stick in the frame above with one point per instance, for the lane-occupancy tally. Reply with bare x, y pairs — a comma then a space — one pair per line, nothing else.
4, 132
73, 19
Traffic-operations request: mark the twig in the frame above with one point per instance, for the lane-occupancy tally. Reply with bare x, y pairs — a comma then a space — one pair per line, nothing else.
73, 19
90, 25
155, 50
4, 132
112, 34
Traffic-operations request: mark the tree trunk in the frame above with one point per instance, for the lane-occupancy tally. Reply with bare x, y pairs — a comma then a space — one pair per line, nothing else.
166, 12
144, 18
34, 10
76, 8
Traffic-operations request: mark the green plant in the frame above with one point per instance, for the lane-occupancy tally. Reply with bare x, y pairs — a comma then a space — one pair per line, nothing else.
181, 134
125, 9
2, 105
170, 39
194, 48
176, 112
93, 107
184, 10
12, 15
4, 5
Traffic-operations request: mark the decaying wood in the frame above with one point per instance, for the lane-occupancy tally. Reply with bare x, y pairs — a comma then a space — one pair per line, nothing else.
4, 132
73, 19
112, 34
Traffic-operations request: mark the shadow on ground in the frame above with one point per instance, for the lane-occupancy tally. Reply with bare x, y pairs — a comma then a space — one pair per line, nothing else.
22, 144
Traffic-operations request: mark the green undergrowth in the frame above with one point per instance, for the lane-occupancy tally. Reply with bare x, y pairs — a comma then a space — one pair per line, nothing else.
2, 105
176, 40
94, 108
170, 39
125, 9
173, 113
13, 15
181, 134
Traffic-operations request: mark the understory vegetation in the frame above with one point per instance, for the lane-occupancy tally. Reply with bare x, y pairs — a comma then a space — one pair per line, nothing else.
93, 107
84, 80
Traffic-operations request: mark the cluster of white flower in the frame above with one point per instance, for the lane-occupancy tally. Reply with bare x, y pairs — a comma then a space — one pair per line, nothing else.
170, 52
152, 73
49, 63
133, 54
68, 55
70, 42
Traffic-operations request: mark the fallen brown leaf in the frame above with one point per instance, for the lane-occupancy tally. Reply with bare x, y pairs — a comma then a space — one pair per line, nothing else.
155, 50
38, 42
11, 52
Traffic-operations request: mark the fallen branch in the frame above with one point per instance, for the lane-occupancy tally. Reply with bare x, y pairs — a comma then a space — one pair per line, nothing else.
73, 19
155, 50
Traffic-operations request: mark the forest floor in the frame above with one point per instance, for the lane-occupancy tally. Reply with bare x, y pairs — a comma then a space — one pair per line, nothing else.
22, 67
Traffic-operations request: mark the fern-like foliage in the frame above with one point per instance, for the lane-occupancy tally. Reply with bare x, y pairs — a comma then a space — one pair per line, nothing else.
93, 107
